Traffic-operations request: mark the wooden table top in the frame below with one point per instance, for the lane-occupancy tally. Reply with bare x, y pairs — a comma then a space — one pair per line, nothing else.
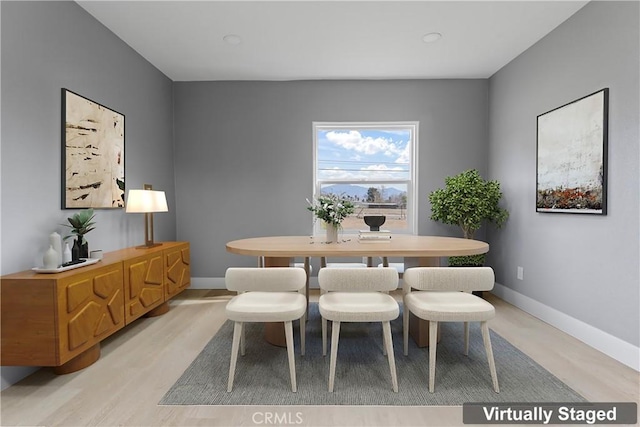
399, 245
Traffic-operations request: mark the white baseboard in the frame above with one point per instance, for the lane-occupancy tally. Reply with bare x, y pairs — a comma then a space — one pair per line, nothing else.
207, 283
604, 342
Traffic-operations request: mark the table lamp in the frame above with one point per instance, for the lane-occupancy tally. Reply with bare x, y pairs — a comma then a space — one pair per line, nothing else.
147, 201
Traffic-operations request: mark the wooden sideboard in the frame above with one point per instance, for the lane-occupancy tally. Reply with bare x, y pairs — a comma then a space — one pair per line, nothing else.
59, 319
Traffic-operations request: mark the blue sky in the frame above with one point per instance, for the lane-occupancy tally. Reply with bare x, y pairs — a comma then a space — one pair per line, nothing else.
357, 154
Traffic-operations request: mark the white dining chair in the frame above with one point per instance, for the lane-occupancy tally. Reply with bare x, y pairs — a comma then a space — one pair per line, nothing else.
399, 266
364, 264
357, 295
266, 295
452, 303
305, 265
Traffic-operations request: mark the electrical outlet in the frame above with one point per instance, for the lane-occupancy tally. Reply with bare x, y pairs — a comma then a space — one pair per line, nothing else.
520, 274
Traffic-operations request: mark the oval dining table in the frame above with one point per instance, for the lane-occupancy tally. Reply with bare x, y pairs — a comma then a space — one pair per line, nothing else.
417, 251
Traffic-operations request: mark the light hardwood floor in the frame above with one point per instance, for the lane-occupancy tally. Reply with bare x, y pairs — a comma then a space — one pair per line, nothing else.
140, 363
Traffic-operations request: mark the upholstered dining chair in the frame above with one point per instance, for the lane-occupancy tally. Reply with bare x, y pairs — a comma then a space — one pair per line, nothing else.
266, 295
364, 264
305, 265
399, 266
357, 295
453, 303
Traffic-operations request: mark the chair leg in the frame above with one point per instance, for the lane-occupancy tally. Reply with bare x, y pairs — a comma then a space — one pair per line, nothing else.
433, 343
242, 339
405, 329
335, 334
237, 328
386, 327
466, 338
324, 336
288, 333
487, 347
384, 342
303, 333
307, 270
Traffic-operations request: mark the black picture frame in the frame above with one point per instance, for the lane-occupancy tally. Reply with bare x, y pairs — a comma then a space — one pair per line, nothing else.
571, 156
93, 154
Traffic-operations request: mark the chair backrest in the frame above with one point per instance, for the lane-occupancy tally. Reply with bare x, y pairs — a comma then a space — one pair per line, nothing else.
358, 279
449, 279
274, 279
366, 262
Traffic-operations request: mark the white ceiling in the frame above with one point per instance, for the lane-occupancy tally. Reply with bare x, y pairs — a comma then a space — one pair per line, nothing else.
311, 40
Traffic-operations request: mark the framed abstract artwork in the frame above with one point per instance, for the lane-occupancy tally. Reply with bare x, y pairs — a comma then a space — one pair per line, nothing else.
571, 151
92, 154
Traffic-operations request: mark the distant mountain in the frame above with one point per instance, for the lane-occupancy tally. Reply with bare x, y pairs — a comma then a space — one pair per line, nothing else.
357, 191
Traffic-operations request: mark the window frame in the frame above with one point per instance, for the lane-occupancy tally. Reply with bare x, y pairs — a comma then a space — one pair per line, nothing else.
412, 182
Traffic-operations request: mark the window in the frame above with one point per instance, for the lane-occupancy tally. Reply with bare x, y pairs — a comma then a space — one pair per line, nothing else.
371, 164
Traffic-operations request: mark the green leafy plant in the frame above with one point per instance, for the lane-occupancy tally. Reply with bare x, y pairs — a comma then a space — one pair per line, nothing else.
467, 201
331, 209
80, 223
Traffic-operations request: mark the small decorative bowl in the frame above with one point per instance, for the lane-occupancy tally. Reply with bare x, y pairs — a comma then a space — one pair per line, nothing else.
374, 221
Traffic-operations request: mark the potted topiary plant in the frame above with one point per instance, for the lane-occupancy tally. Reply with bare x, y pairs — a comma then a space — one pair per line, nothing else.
467, 201
80, 224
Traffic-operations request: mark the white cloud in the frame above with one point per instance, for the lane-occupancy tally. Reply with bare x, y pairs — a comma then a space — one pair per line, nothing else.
353, 140
405, 155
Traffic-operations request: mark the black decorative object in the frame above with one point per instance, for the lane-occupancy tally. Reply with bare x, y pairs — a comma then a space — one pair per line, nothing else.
374, 221
84, 247
75, 251
80, 249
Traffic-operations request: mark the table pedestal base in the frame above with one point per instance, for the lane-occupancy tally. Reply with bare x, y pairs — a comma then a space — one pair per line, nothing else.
419, 330
274, 334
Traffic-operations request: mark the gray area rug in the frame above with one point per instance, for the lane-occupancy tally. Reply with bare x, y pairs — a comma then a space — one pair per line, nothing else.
362, 372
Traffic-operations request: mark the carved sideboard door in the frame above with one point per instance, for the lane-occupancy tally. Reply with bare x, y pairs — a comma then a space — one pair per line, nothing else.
59, 319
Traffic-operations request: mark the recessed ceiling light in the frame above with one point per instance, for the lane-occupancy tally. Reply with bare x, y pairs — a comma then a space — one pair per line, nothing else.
431, 37
232, 39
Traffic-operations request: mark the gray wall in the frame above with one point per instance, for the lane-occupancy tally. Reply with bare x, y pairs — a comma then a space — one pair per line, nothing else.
582, 265
247, 144
244, 152
47, 46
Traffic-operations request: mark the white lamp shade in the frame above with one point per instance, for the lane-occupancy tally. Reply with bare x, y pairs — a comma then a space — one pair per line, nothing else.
146, 201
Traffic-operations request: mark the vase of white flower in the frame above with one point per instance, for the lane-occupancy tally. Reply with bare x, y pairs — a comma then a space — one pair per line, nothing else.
332, 210
332, 232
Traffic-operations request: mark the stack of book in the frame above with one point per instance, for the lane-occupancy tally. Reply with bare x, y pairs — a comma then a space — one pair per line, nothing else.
368, 236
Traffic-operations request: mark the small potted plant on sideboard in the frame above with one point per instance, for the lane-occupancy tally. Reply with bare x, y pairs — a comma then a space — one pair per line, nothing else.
80, 224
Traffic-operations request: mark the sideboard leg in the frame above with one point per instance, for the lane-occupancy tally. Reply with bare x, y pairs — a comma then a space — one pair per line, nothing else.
81, 361
159, 310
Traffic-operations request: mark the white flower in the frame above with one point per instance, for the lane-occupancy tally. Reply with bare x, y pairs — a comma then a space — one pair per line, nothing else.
331, 208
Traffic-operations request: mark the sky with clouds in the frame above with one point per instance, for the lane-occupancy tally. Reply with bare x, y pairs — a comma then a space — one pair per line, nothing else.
382, 155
